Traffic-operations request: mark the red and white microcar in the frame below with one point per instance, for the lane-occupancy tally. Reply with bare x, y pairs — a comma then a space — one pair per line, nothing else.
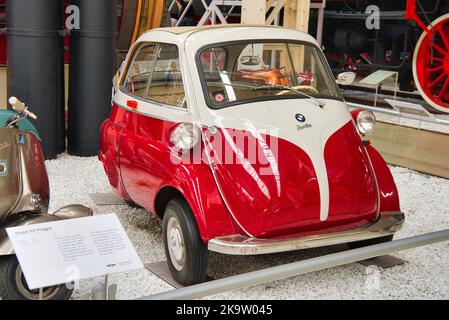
239, 139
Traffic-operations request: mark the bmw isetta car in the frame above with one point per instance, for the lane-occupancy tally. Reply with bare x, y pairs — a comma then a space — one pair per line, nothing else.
239, 139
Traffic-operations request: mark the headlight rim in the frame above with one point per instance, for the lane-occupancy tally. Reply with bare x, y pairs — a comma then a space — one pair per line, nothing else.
359, 120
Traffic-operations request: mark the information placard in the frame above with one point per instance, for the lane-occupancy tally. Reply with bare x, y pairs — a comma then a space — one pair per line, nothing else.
64, 251
378, 77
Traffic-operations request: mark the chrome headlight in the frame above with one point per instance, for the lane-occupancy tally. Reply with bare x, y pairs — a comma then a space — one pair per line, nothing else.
185, 136
366, 121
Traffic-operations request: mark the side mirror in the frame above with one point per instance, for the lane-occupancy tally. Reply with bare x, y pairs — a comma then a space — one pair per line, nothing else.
346, 78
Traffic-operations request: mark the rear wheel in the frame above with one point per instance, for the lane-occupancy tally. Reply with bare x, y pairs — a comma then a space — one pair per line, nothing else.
13, 285
369, 242
186, 253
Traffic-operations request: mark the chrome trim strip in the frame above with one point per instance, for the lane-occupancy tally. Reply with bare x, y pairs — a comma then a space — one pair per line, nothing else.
158, 117
375, 180
387, 224
152, 102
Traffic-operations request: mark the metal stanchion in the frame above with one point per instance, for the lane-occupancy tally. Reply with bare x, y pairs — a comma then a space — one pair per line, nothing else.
298, 268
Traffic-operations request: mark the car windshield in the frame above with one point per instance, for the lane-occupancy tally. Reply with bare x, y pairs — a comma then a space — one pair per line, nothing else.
256, 71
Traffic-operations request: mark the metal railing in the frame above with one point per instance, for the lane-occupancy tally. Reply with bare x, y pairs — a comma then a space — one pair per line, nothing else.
299, 268
399, 114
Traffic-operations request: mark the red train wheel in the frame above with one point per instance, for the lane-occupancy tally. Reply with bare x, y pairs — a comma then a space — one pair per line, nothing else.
431, 64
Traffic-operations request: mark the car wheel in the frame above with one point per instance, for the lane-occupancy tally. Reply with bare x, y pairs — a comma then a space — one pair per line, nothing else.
13, 285
186, 253
369, 242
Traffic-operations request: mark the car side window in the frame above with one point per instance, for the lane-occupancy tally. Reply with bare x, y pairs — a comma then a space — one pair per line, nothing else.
166, 84
140, 70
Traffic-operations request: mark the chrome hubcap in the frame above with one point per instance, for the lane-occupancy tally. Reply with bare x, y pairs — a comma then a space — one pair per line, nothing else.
175, 243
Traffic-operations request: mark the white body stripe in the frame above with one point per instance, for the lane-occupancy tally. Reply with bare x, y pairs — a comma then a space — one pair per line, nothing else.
279, 116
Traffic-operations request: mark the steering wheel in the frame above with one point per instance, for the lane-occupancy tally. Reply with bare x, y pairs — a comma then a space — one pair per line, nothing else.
309, 89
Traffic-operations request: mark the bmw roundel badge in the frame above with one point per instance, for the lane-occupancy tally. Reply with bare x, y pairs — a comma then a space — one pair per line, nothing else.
300, 117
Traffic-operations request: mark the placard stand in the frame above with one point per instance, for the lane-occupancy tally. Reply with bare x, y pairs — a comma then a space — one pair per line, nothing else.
414, 111
377, 78
102, 291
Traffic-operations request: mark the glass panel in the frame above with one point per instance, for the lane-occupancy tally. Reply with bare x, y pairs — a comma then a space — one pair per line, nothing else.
166, 84
256, 71
136, 81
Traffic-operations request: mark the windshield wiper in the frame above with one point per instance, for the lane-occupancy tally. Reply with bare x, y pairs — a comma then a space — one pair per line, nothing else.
319, 102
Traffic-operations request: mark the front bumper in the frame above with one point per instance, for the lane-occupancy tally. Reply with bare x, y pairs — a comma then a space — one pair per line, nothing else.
387, 224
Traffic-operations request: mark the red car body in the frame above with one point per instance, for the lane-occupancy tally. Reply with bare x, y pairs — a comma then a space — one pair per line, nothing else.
233, 203
135, 151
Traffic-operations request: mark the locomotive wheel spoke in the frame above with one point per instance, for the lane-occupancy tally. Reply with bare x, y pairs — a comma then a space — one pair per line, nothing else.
444, 89
439, 49
437, 80
444, 38
436, 69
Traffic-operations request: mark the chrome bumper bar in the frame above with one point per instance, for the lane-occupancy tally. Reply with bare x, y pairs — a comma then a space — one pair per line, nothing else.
387, 224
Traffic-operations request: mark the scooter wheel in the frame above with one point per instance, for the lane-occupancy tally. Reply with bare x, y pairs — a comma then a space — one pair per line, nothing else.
13, 285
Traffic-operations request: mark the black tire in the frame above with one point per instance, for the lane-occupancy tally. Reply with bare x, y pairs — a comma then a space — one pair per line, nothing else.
191, 266
13, 285
369, 242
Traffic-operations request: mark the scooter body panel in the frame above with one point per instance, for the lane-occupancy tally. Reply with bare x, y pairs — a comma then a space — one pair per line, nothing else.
23, 176
10, 180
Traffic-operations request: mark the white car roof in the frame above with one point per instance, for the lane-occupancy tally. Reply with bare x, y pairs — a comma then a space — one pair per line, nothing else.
202, 36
